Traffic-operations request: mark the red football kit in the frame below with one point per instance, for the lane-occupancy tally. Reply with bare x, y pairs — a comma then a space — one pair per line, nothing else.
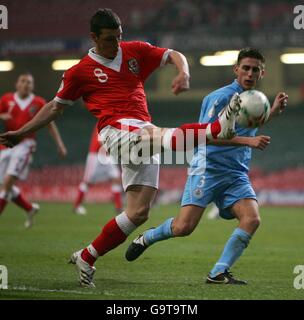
21, 110
113, 89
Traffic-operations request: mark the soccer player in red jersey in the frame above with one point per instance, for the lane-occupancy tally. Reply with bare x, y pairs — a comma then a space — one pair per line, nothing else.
110, 80
100, 167
16, 109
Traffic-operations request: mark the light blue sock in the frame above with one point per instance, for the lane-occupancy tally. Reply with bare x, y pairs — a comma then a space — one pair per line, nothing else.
234, 248
162, 232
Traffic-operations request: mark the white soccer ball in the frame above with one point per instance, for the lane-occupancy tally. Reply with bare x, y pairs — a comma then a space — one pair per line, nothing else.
255, 109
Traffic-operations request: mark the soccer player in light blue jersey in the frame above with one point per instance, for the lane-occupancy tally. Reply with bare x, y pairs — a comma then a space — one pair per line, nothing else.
219, 174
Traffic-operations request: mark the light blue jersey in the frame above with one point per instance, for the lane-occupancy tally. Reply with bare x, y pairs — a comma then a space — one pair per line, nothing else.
219, 174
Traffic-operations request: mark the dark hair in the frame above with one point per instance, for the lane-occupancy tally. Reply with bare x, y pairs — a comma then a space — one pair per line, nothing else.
250, 53
25, 73
104, 18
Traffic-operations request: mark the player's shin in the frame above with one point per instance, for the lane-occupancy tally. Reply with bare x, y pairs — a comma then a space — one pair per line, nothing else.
18, 198
113, 234
116, 193
82, 190
234, 248
162, 232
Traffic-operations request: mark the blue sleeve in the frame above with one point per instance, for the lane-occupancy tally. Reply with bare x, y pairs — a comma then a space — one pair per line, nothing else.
211, 106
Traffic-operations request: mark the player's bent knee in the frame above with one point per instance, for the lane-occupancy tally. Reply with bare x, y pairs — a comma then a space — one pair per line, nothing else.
140, 215
182, 229
254, 222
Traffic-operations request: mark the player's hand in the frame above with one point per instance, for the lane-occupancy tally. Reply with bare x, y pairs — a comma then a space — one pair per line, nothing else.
62, 151
279, 104
259, 142
180, 83
10, 138
5, 116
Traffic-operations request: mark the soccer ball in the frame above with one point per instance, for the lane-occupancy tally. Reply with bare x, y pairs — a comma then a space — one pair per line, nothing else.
255, 109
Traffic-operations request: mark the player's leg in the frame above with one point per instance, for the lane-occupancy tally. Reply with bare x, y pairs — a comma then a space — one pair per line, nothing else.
5, 190
247, 212
190, 135
83, 187
18, 169
141, 183
115, 232
78, 207
30, 208
116, 190
180, 226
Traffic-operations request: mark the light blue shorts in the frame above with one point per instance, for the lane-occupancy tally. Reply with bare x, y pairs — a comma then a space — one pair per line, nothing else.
222, 189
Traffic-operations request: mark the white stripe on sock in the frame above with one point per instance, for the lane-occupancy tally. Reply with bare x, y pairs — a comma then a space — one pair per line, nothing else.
92, 251
125, 224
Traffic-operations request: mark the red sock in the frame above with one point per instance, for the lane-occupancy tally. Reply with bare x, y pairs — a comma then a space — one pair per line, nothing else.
22, 202
3, 203
79, 198
189, 135
110, 237
117, 200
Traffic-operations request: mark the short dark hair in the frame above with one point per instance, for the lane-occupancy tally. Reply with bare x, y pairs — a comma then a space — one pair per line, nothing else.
104, 18
250, 53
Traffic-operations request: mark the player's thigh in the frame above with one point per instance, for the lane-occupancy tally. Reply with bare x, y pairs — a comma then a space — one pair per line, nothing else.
20, 160
4, 161
187, 220
246, 210
139, 200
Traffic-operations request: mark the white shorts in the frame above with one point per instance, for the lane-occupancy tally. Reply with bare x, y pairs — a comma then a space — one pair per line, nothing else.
117, 139
99, 168
16, 161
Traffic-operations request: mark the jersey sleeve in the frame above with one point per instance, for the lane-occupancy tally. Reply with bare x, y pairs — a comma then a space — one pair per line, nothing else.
152, 57
211, 107
70, 87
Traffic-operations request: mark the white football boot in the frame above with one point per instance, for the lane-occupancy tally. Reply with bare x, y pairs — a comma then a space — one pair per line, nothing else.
80, 210
226, 120
30, 215
84, 270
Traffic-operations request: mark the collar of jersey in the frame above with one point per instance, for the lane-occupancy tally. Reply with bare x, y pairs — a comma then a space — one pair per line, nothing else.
114, 64
23, 103
238, 87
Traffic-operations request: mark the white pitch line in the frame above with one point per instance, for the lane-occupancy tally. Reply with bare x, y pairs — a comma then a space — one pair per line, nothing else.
106, 293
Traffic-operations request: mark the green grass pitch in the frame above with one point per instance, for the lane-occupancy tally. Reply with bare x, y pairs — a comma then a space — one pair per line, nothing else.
175, 269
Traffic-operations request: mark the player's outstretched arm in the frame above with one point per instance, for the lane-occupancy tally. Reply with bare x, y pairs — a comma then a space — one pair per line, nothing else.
46, 114
279, 105
55, 134
181, 82
258, 142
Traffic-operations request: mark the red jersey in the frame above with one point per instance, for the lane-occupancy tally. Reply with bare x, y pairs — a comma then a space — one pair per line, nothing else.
94, 144
21, 110
113, 89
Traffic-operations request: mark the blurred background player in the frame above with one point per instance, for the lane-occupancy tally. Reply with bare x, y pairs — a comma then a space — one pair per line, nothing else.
223, 179
16, 109
99, 168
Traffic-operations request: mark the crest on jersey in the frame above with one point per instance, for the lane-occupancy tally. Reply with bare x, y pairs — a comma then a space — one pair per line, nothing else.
33, 109
198, 193
133, 65
11, 104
